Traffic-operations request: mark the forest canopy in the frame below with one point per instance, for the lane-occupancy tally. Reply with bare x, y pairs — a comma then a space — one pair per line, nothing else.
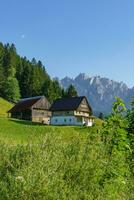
21, 78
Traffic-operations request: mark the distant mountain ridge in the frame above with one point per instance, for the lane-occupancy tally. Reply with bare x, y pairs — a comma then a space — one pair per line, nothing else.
99, 91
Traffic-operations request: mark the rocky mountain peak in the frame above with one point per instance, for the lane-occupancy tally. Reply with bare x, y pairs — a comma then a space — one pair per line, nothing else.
82, 76
100, 91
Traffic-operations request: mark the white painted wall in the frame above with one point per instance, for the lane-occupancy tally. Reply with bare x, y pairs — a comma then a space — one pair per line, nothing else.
90, 123
65, 120
68, 120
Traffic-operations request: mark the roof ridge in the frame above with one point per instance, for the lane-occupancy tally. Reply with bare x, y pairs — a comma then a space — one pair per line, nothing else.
30, 98
71, 97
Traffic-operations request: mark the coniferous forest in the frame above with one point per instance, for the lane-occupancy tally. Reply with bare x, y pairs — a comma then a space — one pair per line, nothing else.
21, 78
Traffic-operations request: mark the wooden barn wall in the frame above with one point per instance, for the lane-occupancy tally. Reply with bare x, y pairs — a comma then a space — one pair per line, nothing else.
42, 104
84, 107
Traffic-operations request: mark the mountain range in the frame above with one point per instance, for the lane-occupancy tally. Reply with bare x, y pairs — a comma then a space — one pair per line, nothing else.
99, 91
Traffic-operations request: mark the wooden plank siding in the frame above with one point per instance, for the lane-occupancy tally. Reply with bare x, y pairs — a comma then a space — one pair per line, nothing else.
40, 111
42, 116
35, 109
63, 113
84, 107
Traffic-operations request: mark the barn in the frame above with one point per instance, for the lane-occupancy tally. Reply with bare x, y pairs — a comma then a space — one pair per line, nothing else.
35, 109
71, 111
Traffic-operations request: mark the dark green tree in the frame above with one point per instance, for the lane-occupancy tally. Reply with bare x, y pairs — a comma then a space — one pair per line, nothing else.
11, 89
63, 92
32, 77
71, 91
52, 89
101, 116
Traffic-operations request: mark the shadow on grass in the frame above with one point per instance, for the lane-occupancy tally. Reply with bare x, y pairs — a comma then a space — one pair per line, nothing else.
78, 128
26, 122
30, 123
85, 128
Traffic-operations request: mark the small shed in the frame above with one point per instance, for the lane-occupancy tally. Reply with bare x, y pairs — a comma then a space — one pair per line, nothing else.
35, 109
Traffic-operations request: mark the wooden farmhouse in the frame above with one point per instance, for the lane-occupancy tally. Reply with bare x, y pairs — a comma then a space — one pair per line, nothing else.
35, 109
71, 111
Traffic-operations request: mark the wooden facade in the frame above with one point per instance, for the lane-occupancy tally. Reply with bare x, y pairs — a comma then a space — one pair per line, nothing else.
35, 109
72, 111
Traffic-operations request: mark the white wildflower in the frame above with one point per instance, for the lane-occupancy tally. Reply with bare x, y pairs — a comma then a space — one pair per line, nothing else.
20, 178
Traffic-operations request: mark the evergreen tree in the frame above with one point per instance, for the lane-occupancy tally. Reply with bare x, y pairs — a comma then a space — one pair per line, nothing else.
71, 91
46, 88
101, 116
30, 77
11, 89
10, 86
2, 79
52, 89
63, 92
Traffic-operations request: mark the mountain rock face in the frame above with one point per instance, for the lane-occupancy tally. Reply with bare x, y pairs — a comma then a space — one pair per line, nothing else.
100, 91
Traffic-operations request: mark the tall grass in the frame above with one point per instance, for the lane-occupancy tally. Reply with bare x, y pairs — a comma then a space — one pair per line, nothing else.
56, 169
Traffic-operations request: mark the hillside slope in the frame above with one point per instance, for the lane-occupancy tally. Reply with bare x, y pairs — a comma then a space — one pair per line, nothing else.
13, 131
4, 107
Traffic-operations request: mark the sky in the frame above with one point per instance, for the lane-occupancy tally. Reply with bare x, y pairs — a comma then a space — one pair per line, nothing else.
95, 37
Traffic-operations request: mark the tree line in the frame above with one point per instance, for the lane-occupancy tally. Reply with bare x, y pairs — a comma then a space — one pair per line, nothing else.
21, 78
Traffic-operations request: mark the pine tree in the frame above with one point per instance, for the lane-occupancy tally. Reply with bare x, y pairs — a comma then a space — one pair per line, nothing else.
30, 77
63, 92
11, 89
71, 91
101, 116
52, 89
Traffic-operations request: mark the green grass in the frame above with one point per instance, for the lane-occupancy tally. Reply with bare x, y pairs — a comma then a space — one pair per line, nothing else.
21, 132
4, 107
46, 162
40, 162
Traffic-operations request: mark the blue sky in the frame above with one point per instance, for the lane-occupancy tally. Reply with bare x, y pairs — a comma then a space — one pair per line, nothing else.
72, 36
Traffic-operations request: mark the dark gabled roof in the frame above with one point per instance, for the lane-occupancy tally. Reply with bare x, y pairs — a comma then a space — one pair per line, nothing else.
67, 103
25, 104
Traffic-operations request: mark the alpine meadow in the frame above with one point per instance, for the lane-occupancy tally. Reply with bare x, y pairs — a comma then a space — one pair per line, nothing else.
47, 162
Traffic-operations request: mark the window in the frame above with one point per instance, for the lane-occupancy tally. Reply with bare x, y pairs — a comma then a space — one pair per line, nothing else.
65, 120
70, 120
56, 120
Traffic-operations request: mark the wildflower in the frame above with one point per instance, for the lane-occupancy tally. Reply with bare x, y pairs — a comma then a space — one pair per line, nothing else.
20, 178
